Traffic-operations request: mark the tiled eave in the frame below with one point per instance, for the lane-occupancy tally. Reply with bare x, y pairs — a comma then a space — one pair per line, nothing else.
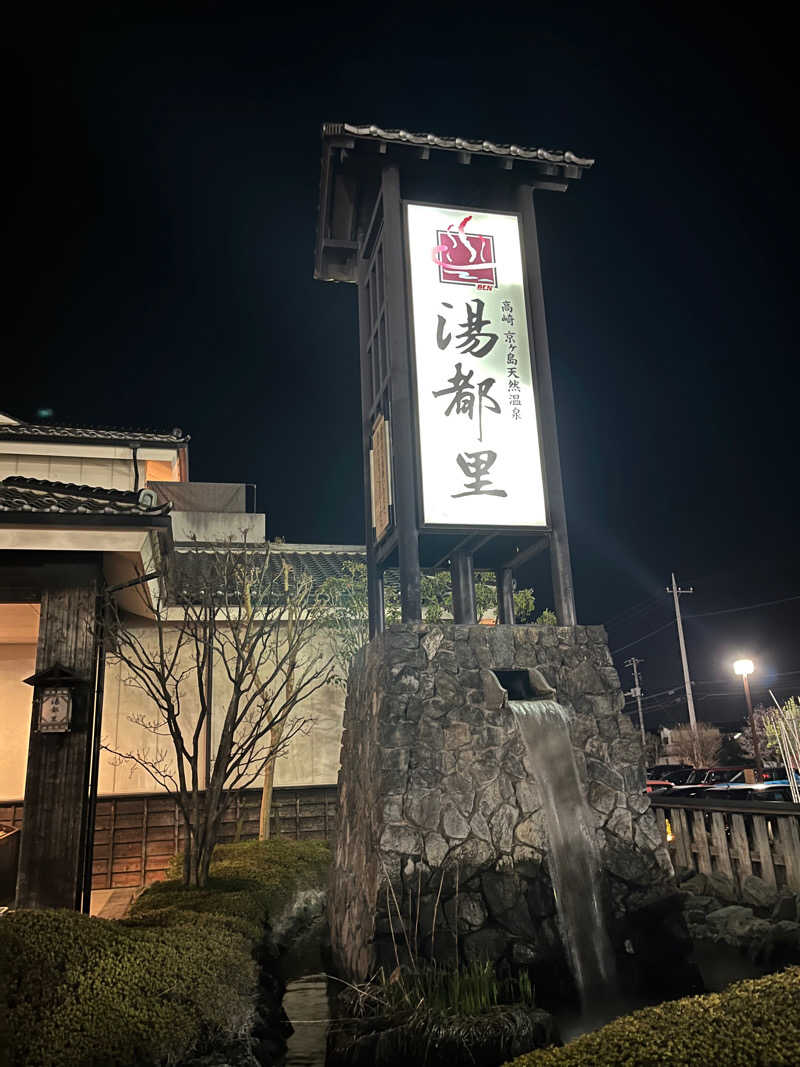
21, 431
27, 497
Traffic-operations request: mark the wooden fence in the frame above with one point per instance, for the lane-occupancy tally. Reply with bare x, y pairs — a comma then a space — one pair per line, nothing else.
733, 838
137, 834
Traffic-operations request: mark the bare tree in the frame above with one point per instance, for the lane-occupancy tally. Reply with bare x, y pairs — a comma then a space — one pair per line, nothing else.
258, 622
701, 749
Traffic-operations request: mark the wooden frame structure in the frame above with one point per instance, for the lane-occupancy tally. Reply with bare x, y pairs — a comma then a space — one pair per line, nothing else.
368, 174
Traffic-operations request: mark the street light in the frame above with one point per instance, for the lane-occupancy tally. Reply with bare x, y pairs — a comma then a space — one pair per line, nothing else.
744, 667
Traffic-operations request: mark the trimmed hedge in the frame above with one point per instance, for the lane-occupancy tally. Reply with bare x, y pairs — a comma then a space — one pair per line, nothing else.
755, 1023
166, 983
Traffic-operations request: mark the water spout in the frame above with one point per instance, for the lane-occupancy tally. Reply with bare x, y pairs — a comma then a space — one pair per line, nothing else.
572, 856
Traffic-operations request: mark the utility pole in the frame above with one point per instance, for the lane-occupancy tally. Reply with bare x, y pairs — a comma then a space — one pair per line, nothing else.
633, 663
676, 593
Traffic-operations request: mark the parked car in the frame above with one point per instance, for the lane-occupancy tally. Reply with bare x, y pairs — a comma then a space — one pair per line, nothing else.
657, 785
777, 774
677, 775
769, 791
682, 792
666, 770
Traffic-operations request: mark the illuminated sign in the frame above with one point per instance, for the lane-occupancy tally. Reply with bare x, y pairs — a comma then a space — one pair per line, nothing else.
478, 431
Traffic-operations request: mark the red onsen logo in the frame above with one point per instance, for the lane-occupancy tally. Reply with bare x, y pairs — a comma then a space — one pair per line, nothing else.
465, 258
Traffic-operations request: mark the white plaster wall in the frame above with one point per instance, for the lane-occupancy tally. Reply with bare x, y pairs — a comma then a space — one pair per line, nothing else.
311, 759
123, 703
16, 662
79, 470
218, 526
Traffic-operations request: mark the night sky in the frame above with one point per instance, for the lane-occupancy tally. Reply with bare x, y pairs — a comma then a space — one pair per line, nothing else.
163, 179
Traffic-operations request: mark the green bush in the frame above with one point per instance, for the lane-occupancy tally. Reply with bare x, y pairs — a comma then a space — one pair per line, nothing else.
755, 1023
163, 984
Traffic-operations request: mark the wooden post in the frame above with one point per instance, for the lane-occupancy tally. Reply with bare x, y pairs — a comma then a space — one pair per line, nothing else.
719, 840
505, 596
683, 841
741, 846
403, 450
560, 564
764, 849
790, 842
700, 838
462, 579
52, 850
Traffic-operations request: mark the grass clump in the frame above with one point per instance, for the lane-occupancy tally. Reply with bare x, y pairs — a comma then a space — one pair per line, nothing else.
173, 980
755, 1023
430, 1013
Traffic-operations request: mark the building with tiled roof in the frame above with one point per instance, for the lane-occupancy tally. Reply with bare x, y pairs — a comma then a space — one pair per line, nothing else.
93, 511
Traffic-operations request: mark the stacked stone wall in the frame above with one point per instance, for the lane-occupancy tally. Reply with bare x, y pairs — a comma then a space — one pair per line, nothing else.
442, 846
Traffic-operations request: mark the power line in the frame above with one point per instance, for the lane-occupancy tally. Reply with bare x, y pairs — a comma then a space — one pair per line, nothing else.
642, 638
747, 607
705, 615
635, 609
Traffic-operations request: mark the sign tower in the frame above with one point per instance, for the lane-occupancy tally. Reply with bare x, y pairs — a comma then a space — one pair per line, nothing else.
461, 461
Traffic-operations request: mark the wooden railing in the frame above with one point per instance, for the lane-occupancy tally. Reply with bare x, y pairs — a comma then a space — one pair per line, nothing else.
733, 838
137, 834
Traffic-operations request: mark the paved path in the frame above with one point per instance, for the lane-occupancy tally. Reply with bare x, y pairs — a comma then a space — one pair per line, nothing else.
111, 903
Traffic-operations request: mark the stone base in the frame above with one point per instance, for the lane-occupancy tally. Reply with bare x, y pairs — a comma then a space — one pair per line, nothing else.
442, 849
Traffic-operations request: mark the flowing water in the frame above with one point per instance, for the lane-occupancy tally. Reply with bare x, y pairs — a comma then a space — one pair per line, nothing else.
572, 857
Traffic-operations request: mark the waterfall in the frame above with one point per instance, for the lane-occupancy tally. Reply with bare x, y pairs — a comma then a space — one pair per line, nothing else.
572, 857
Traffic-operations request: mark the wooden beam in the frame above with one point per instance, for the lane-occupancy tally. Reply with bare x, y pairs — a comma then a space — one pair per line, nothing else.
526, 554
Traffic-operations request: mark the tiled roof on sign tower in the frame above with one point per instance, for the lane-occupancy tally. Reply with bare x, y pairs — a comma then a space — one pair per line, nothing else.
456, 144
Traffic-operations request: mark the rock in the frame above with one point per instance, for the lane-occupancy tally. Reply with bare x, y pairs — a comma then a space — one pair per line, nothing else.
501, 646
468, 908
731, 920
456, 735
431, 642
758, 893
722, 887
697, 907
501, 892
601, 772
621, 824
540, 685
527, 796
785, 906
502, 827
785, 931
697, 884
435, 849
531, 831
494, 695
454, 825
424, 810
486, 944
602, 798
401, 839
480, 827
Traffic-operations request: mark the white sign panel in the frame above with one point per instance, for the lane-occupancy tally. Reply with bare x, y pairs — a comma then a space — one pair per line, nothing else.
479, 443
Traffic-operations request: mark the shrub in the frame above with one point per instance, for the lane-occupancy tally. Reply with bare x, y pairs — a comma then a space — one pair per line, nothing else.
756, 1022
167, 982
